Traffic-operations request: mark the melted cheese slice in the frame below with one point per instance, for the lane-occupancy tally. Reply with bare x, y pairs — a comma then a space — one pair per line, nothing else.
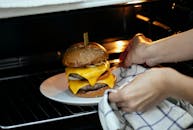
75, 85
89, 73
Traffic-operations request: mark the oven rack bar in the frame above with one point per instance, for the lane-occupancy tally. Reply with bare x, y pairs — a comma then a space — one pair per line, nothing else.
48, 120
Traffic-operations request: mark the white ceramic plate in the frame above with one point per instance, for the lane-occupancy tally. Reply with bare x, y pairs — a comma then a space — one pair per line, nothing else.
56, 88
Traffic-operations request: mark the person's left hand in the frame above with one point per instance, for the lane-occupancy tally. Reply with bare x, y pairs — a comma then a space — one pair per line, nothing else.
145, 91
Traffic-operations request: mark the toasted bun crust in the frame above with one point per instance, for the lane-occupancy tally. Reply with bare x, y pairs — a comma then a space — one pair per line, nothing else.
79, 55
92, 94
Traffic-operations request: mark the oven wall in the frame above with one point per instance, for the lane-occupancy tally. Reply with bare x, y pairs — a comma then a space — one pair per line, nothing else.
56, 31
29, 35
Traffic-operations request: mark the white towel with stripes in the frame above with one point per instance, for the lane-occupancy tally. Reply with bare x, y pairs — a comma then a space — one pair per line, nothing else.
171, 114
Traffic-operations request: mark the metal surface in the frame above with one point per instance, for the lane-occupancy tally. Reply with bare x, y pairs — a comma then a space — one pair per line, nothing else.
22, 104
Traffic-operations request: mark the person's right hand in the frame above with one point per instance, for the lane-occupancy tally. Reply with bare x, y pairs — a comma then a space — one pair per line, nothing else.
136, 51
147, 90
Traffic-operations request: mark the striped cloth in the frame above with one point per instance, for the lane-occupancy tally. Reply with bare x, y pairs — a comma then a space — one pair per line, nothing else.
171, 114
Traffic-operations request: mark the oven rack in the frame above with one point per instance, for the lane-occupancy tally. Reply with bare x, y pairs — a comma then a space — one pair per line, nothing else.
22, 104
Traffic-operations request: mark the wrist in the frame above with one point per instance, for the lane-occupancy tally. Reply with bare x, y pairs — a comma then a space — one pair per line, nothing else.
175, 85
183, 87
168, 79
150, 55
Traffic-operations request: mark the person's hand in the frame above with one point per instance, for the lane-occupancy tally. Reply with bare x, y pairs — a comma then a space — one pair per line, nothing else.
135, 52
145, 91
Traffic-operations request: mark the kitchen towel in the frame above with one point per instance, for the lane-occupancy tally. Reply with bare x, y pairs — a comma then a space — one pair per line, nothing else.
171, 114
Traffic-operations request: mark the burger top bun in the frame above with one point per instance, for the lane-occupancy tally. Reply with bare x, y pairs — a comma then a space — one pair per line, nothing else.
79, 55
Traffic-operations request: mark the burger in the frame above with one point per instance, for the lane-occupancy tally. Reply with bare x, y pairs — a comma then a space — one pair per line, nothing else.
88, 70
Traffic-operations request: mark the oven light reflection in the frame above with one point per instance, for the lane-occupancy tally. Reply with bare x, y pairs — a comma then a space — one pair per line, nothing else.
116, 46
119, 46
114, 61
141, 17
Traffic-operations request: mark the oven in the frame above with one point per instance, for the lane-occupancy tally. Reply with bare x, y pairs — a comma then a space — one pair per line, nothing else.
32, 46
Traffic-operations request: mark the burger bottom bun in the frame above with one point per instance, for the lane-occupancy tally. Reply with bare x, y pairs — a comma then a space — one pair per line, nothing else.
92, 94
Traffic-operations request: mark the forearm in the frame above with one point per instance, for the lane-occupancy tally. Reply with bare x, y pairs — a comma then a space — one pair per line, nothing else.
175, 48
182, 87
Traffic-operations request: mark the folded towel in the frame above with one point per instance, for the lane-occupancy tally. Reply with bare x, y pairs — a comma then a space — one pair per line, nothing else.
171, 114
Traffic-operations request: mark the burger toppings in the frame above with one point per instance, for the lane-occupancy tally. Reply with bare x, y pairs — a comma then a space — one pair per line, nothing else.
89, 73
75, 85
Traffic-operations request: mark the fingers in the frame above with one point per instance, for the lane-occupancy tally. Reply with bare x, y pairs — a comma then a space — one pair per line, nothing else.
119, 95
128, 61
121, 102
131, 54
124, 55
127, 106
115, 97
126, 109
132, 107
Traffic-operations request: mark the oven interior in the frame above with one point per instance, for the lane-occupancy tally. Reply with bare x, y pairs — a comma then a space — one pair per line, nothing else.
31, 50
